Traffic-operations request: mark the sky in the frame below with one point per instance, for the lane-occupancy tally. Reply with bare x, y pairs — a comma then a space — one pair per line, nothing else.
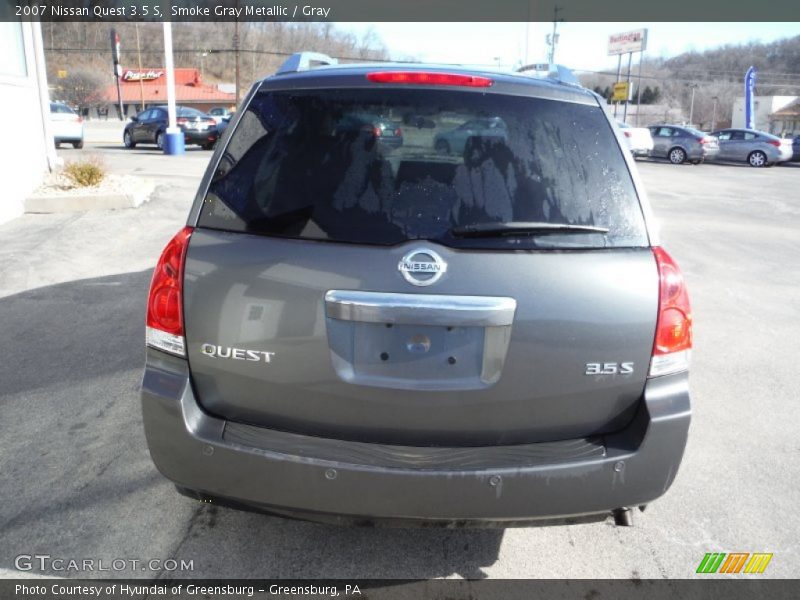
582, 46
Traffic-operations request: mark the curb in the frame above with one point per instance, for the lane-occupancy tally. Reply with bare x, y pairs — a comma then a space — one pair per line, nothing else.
57, 203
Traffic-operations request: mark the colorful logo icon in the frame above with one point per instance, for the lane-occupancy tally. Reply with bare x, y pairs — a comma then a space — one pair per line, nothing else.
735, 562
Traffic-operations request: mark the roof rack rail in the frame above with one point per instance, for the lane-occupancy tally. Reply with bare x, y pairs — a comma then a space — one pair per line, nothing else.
302, 61
558, 73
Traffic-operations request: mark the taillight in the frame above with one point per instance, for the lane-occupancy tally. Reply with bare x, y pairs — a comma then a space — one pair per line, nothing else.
427, 78
165, 302
627, 134
673, 340
398, 132
377, 131
78, 119
703, 140
181, 120
776, 143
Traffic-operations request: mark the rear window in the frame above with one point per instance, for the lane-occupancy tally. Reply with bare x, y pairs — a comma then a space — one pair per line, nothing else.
189, 112
386, 166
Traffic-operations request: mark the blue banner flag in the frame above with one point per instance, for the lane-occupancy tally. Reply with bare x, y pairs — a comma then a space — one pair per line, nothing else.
749, 91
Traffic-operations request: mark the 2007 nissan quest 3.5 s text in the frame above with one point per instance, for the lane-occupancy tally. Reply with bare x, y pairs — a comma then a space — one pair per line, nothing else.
479, 332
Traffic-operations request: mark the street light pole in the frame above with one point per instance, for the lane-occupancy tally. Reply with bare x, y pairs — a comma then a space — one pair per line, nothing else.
714, 114
691, 104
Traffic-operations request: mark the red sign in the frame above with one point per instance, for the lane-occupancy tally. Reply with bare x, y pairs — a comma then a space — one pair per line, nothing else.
134, 75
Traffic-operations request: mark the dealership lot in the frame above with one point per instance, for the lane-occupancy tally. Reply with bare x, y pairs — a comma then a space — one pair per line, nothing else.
72, 293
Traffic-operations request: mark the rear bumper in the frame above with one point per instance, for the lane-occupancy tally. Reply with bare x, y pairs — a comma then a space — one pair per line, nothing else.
291, 473
704, 153
200, 137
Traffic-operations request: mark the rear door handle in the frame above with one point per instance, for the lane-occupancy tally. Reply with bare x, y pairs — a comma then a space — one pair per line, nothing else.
420, 309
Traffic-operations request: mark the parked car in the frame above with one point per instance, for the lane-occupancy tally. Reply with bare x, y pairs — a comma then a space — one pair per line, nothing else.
340, 332
796, 149
223, 124
679, 144
219, 113
66, 124
454, 141
757, 148
639, 140
386, 132
150, 127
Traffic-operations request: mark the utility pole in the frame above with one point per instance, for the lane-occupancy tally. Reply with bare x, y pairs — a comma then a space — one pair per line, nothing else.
552, 39
139, 54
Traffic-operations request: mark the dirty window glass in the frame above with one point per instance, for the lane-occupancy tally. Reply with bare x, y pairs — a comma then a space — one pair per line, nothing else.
385, 166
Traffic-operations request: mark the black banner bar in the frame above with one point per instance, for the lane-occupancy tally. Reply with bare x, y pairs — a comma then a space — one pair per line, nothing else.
703, 588
400, 10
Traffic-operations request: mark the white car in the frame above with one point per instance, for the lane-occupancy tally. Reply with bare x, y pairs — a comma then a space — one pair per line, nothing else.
219, 114
640, 142
67, 125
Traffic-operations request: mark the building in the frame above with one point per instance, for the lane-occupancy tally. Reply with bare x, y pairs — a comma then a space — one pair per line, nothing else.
786, 121
764, 107
148, 87
27, 152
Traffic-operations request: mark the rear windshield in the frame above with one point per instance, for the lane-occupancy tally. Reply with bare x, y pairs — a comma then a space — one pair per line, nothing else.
386, 166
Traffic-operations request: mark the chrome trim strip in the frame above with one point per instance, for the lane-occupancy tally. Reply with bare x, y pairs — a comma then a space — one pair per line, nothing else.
420, 309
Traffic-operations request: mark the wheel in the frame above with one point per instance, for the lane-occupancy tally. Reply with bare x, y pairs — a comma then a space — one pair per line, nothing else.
757, 159
160, 140
77, 145
128, 140
677, 156
442, 147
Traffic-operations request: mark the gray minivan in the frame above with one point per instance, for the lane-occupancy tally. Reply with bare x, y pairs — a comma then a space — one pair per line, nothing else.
345, 330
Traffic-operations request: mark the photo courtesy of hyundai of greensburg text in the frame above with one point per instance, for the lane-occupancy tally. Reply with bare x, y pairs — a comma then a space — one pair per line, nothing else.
399, 300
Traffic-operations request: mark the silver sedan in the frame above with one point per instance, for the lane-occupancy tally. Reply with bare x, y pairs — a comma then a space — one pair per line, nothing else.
757, 148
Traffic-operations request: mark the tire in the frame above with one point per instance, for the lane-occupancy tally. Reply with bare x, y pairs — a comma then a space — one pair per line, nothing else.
77, 145
677, 156
127, 139
160, 140
442, 147
757, 159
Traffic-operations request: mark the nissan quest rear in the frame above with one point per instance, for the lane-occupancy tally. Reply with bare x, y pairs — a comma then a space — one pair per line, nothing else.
419, 293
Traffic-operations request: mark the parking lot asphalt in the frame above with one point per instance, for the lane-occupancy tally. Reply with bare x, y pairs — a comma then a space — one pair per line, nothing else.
76, 480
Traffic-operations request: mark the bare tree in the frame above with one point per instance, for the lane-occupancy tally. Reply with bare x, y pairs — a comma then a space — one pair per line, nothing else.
81, 88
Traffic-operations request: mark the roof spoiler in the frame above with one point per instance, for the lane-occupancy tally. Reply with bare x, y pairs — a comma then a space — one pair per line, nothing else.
304, 61
553, 72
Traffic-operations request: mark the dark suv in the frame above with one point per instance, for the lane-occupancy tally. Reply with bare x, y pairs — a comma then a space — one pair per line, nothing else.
492, 334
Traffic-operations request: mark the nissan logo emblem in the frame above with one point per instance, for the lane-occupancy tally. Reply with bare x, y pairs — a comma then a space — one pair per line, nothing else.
422, 267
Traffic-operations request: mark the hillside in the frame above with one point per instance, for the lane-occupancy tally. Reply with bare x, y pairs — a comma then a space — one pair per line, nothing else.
719, 73
208, 46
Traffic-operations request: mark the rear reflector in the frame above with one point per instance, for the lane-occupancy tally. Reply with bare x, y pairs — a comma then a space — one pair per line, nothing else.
165, 302
427, 78
673, 339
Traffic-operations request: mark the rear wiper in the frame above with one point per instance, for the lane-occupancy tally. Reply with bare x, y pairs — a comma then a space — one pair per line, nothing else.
522, 228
